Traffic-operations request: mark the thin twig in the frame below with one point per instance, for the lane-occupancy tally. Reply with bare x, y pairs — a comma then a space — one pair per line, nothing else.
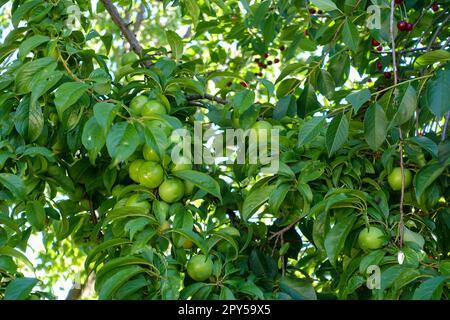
139, 18
92, 211
394, 62
438, 30
192, 97
127, 33
444, 130
287, 228
391, 32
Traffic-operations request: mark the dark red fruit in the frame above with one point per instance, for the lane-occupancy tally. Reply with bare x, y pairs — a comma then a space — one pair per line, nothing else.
387, 75
409, 27
375, 43
435, 7
379, 65
398, 1
369, 80
282, 48
257, 60
260, 64
312, 10
260, 74
276, 60
380, 48
244, 84
269, 63
402, 25
266, 55
264, 66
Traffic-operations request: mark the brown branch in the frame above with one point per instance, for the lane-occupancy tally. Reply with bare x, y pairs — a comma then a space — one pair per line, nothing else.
127, 33
92, 211
444, 130
192, 97
438, 30
394, 63
391, 32
139, 18
282, 231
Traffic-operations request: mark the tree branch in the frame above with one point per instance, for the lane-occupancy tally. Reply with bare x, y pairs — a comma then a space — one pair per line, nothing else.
139, 18
127, 33
438, 30
444, 130
394, 62
92, 211
136, 46
192, 97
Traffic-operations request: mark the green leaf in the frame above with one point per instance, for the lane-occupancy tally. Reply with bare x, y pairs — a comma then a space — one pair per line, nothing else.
277, 197
350, 35
431, 58
194, 237
93, 138
43, 81
14, 184
176, 43
20, 12
226, 294
122, 141
67, 94
156, 139
430, 289
185, 83
425, 143
29, 119
326, 5
243, 100
320, 229
251, 289
358, 98
425, 177
339, 68
298, 289
291, 69
25, 74
127, 212
254, 199
20, 288
310, 130
36, 214
10, 223
194, 10
337, 134
104, 113
102, 247
118, 279
201, 180
286, 106
335, 239
373, 258
375, 126
31, 43
305, 191
8, 251
326, 84
407, 107
437, 93
307, 102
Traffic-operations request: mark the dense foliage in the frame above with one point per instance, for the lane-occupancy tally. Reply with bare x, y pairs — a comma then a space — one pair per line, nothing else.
90, 93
